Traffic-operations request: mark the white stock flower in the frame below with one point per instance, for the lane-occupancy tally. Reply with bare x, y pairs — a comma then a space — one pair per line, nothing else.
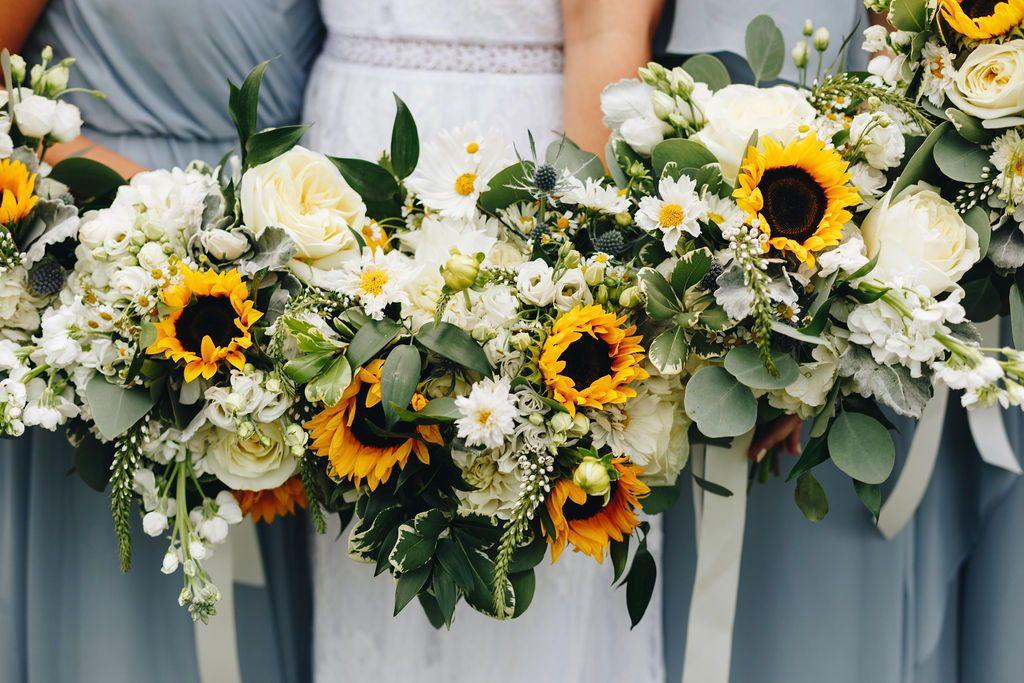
886, 70
377, 279
678, 210
848, 256
247, 398
154, 523
305, 195
535, 283
920, 240
878, 138
46, 408
737, 110
488, 414
228, 508
261, 461
875, 39
455, 169
214, 530
808, 392
990, 82
870, 183
58, 339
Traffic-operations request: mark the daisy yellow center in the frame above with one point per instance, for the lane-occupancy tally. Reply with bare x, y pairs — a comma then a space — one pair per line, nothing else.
716, 217
483, 417
562, 222
671, 215
472, 148
372, 281
464, 183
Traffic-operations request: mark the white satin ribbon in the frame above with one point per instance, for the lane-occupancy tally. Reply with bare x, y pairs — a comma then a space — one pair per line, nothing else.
237, 560
990, 438
720, 525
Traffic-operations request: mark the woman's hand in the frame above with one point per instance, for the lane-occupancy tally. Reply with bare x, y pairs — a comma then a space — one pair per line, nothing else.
785, 429
605, 40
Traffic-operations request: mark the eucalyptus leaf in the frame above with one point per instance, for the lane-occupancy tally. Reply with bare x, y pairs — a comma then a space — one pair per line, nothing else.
745, 364
116, 409
719, 404
399, 377
564, 154
708, 69
861, 447
963, 161
765, 48
870, 495
811, 498
680, 153
969, 127
977, 218
1006, 248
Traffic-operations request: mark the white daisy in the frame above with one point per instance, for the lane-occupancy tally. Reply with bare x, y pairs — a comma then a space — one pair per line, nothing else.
376, 280
724, 212
488, 414
677, 211
938, 72
594, 194
521, 216
455, 169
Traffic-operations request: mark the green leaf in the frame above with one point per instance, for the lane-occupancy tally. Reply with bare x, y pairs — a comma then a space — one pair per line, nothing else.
432, 610
810, 497
564, 154
977, 218
87, 178
861, 447
328, 387
870, 495
661, 301
680, 153
439, 410
708, 69
793, 333
446, 594
920, 163
668, 351
814, 454
115, 409
92, 461
371, 181
640, 585
243, 103
691, 269
619, 553
456, 563
455, 344
430, 524
711, 487
661, 498
405, 141
411, 550
981, 299
745, 364
969, 127
909, 15
719, 404
959, 159
765, 47
272, 251
399, 377
528, 556
1017, 316
824, 416
373, 336
271, 143
505, 188
305, 368
524, 585
1006, 249
409, 585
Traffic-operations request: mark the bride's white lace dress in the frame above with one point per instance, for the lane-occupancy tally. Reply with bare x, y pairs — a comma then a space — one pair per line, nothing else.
497, 62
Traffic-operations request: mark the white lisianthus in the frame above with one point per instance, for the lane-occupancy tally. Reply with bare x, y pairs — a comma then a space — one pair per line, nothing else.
305, 195
737, 110
377, 279
224, 245
878, 139
67, 122
263, 460
628, 107
920, 240
535, 283
455, 169
496, 479
596, 195
875, 39
488, 414
678, 210
990, 82
572, 290
886, 70
34, 114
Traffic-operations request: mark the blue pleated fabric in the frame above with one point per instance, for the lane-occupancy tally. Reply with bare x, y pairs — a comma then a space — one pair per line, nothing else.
66, 611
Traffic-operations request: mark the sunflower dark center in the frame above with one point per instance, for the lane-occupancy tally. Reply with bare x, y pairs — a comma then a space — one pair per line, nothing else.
593, 505
211, 316
979, 8
586, 361
794, 202
365, 417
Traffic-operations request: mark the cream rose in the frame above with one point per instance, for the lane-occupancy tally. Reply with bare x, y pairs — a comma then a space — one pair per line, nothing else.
990, 82
303, 193
736, 111
920, 240
263, 460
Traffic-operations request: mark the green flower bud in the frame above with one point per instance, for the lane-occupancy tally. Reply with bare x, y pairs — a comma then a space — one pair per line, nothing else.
572, 259
821, 38
808, 27
601, 295
17, 68
664, 104
630, 297
624, 218
592, 476
800, 54
682, 82
460, 272
580, 425
561, 422
594, 274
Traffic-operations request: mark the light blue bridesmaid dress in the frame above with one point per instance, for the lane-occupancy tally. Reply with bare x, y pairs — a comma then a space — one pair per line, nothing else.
66, 611
835, 601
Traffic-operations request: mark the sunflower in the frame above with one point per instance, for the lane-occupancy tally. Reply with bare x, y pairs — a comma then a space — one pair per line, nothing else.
265, 505
16, 191
587, 522
983, 19
589, 359
800, 194
210, 322
349, 433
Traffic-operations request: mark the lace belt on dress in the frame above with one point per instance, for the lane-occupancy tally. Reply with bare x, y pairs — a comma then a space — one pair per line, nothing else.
403, 53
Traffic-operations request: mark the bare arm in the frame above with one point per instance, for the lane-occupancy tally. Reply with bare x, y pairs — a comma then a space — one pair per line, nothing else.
605, 40
17, 19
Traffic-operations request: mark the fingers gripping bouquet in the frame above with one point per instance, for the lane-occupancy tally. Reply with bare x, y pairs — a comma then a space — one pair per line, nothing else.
964, 62
794, 263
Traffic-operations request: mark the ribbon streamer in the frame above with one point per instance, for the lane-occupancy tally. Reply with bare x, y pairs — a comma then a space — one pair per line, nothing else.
237, 560
990, 438
720, 525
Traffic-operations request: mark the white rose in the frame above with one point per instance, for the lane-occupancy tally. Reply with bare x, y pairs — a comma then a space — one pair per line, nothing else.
920, 240
303, 193
67, 122
152, 256
224, 245
990, 82
535, 283
499, 305
34, 114
132, 281
504, 254
100, 226
736, 111
874, 39
262, 461
572, 290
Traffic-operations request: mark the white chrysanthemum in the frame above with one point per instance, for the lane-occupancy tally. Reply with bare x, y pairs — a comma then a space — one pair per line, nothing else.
496, 479
488, 414
376, 280
456, 167
1008, 158
650, 429
938, 73
679, 209
596, 195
